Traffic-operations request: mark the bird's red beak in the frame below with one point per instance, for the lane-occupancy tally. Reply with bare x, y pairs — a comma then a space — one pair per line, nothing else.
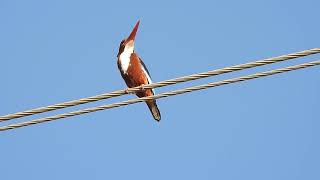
133, 33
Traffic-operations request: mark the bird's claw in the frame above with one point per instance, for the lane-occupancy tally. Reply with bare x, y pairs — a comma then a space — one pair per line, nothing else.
127, 91
142, 88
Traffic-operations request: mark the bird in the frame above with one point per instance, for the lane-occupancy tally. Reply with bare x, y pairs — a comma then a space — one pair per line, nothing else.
134, 71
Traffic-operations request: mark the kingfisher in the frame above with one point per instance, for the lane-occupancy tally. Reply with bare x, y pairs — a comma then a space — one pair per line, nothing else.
134, 71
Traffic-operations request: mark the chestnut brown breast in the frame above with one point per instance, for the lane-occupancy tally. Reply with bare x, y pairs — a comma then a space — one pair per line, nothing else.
135, 75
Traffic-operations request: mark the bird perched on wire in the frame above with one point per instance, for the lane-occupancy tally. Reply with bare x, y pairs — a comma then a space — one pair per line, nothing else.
134, 71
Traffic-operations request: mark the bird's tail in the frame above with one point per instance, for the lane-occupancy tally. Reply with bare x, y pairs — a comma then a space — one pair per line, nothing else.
154, 109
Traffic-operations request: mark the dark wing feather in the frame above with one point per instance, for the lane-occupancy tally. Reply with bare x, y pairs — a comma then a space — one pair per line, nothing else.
145, 67
147, 71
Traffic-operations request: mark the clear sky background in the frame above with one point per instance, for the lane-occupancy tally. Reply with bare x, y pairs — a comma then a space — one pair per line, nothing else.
54, 51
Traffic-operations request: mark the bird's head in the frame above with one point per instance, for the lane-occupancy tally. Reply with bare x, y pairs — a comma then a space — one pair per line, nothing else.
128, 43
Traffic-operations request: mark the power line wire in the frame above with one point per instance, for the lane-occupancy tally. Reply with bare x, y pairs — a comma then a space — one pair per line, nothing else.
162, 95
161, 84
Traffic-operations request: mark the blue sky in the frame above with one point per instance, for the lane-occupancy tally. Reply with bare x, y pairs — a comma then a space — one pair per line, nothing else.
54, 51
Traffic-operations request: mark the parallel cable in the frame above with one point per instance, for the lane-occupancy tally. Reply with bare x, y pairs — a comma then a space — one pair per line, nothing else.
162, 95
161, 84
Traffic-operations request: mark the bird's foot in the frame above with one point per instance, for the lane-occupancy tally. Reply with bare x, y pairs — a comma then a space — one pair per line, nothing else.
142, 88
127, 91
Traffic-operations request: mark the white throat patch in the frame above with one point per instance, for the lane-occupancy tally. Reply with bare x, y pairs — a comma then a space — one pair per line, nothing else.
125, 58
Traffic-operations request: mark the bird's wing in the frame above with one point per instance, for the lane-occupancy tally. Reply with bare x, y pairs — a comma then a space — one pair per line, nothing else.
146, 72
